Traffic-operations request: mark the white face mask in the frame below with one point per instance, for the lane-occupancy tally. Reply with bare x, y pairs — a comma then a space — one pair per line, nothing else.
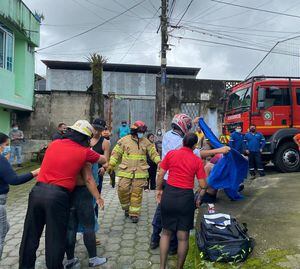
238, 130
140, 135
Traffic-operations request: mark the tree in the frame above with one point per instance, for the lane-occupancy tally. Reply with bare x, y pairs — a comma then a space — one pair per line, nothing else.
97, 102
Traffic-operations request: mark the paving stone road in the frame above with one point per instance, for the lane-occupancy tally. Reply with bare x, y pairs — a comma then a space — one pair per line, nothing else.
124, 243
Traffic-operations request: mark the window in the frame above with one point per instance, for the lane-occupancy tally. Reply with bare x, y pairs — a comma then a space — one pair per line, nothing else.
276, 96
240, 98
191, 109
298, 96
6, 49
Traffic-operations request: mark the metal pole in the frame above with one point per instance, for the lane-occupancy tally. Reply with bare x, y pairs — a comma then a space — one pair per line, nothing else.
164, 47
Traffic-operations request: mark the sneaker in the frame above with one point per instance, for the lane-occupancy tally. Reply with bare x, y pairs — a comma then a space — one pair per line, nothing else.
241, 187
71, 263
96, 261
252, 177
154, 245
134, 219
126, 213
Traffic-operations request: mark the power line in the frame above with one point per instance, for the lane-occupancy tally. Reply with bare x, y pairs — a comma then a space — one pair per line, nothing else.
93, 28
235, 46
257, 9
186, 10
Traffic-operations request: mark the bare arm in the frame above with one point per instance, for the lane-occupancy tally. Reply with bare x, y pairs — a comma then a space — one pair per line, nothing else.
212, 152
102, 160
91, 184
159, 184
296, 141
106, 149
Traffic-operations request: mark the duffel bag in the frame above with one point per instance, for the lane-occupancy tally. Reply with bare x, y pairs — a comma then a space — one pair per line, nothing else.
221, 238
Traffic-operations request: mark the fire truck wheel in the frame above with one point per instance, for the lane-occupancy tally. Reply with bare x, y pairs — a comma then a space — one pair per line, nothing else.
287, 158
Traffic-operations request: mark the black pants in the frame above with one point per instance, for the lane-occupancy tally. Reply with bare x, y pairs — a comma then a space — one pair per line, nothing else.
48, 206
152, 175
82, 212
255, 163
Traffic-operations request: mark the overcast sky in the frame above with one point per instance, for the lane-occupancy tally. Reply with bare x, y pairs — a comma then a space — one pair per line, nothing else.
132, 38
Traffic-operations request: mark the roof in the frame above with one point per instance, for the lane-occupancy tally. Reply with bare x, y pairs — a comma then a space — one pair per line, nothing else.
129, 68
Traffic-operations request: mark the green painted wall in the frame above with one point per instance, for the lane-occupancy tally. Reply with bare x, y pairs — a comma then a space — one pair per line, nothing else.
17, 87
19, 17
4, 121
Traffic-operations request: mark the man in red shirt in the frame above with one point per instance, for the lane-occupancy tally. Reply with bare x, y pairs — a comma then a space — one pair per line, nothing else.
49, 200
297, 140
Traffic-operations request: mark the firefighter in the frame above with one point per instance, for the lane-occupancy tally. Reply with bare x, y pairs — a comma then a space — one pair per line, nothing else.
131, 152
237, 139
254, 144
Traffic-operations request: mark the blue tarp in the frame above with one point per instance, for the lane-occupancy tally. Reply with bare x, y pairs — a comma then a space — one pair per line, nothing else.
230, 171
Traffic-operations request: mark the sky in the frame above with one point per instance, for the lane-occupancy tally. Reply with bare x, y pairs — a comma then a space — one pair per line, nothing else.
197, 40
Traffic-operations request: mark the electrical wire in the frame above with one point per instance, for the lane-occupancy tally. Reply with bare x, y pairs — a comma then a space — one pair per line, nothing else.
186, 10
234, 46
257, 9
92, 28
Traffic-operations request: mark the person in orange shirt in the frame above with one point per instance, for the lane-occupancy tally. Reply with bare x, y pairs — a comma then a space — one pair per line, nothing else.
297, 140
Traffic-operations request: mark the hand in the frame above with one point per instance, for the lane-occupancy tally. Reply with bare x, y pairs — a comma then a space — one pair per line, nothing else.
101, 171
247, 151
35, 172
225, 149
158, 196
100, 203
261, 150
196, 120
105, 166
110, 169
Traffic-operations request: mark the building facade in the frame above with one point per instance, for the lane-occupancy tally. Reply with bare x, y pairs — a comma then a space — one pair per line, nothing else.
19, 35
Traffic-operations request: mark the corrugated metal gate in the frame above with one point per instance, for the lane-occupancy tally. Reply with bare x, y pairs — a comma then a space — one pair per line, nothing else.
132, 108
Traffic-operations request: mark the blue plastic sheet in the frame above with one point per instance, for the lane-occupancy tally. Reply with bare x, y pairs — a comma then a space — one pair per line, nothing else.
230, 171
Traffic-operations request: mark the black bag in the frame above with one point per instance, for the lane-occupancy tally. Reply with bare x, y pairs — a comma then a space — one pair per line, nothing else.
223, 239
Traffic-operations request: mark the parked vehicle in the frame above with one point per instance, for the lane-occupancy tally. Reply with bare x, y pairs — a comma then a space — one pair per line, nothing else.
273, 105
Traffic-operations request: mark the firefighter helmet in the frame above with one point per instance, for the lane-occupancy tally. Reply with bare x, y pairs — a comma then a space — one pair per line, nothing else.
139, 127
183, 121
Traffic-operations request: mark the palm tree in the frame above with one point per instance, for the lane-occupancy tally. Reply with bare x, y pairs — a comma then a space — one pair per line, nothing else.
97, 102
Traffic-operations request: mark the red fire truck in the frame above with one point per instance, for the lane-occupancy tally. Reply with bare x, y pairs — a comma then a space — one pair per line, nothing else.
273, 105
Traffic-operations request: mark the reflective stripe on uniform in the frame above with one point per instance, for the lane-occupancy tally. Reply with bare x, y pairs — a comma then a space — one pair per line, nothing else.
113, 161
124, 205
152, 150
132, 174
134, 209
118, 149
136, 157
157, 159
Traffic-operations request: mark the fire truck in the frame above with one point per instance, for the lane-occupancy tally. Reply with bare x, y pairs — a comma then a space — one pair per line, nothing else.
273, 105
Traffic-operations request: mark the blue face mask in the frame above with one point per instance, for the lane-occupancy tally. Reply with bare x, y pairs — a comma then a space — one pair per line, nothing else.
140, 135
6, 150
15, 129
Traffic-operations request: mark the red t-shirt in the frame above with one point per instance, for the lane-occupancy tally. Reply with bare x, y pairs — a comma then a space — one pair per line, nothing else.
63, 161
183, 165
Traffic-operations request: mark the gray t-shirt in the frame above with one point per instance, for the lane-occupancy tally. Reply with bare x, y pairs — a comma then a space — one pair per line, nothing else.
16, 137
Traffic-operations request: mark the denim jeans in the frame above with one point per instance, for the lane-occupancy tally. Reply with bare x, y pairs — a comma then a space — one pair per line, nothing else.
4, 226
16, 152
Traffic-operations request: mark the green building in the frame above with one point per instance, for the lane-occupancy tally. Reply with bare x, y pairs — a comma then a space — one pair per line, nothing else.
19, 35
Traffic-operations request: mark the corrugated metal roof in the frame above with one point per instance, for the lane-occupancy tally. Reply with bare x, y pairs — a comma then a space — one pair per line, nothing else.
129, 68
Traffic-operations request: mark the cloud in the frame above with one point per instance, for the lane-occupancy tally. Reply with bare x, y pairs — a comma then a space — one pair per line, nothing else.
132, 38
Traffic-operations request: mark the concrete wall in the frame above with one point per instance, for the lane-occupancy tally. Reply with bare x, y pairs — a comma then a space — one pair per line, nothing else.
50, 109
182, 91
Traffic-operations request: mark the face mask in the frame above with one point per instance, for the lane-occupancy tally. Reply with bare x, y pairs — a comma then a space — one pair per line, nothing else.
140, 135
252, 130
159, 133
15, 129
238, 130
6, 150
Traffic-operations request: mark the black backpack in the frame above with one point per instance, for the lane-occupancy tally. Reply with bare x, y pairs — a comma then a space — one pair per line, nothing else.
222, 239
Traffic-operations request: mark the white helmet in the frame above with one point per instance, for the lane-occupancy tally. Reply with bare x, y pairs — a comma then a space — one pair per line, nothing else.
83, 127
183, 121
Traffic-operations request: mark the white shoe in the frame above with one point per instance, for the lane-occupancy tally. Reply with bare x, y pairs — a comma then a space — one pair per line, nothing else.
96, 261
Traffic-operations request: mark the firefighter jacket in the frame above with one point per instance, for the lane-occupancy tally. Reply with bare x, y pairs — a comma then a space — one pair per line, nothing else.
131, 153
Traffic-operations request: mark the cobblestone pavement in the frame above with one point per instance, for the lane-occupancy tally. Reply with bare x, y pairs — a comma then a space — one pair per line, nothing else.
124, 243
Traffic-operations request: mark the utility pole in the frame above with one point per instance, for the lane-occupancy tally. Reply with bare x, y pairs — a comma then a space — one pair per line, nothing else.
164, 48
